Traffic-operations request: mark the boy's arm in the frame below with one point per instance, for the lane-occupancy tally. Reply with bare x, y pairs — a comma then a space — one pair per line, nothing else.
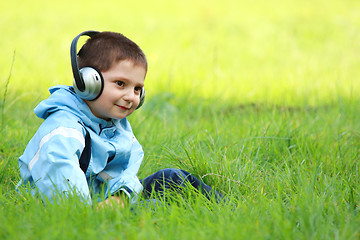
54, 164
127, 181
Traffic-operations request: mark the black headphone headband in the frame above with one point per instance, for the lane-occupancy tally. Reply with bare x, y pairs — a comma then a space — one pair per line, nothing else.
74, 62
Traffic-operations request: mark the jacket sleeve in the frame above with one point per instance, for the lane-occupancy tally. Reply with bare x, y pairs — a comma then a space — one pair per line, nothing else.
52, 161
127, 181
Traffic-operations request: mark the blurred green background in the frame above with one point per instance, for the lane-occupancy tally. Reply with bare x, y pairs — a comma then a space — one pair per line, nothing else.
291, 52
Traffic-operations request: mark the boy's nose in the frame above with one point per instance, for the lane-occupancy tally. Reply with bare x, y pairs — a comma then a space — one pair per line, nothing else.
129, 96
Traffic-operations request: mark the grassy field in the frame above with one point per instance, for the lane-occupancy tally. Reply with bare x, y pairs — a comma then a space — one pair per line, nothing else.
257, 98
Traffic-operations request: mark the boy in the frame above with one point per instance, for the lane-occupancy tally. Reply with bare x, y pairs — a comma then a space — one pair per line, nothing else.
85, 143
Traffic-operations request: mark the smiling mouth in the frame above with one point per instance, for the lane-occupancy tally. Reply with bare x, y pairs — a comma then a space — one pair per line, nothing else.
122, 107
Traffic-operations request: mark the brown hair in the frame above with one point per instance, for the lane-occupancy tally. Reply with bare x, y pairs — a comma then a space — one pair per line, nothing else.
106, 48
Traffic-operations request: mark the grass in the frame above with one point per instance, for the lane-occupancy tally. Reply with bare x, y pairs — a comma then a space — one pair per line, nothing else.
256, 98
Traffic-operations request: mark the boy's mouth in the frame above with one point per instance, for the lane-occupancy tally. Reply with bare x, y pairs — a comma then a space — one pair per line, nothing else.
123, 107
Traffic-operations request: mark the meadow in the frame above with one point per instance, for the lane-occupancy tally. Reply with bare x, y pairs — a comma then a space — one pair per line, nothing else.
259, 99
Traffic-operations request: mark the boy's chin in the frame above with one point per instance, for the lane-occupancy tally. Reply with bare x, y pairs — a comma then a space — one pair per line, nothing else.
122, 116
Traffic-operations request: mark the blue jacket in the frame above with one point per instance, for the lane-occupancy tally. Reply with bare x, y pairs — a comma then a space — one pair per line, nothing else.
50, 162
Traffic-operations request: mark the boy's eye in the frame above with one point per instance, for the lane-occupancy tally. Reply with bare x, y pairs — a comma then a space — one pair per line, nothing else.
138, 89
119, 83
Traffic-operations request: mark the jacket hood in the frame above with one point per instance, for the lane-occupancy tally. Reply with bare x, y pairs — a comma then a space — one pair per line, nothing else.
64, 98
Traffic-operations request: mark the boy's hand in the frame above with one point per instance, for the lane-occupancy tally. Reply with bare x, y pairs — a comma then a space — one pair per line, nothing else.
114, 200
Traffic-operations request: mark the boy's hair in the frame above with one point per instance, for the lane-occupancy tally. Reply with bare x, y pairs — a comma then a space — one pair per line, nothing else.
106, 48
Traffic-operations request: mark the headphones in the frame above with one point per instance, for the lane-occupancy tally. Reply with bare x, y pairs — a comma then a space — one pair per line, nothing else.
88, 81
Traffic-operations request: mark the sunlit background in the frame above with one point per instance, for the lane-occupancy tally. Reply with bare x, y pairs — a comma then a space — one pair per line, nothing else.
282, 52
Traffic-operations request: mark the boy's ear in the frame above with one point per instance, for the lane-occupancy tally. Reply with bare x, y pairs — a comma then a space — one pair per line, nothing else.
88, 82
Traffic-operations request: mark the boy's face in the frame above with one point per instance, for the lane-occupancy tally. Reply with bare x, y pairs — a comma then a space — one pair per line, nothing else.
121, 95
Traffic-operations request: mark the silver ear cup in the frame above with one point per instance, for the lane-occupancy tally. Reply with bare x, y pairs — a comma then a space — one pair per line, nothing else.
142, 98
93, 82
